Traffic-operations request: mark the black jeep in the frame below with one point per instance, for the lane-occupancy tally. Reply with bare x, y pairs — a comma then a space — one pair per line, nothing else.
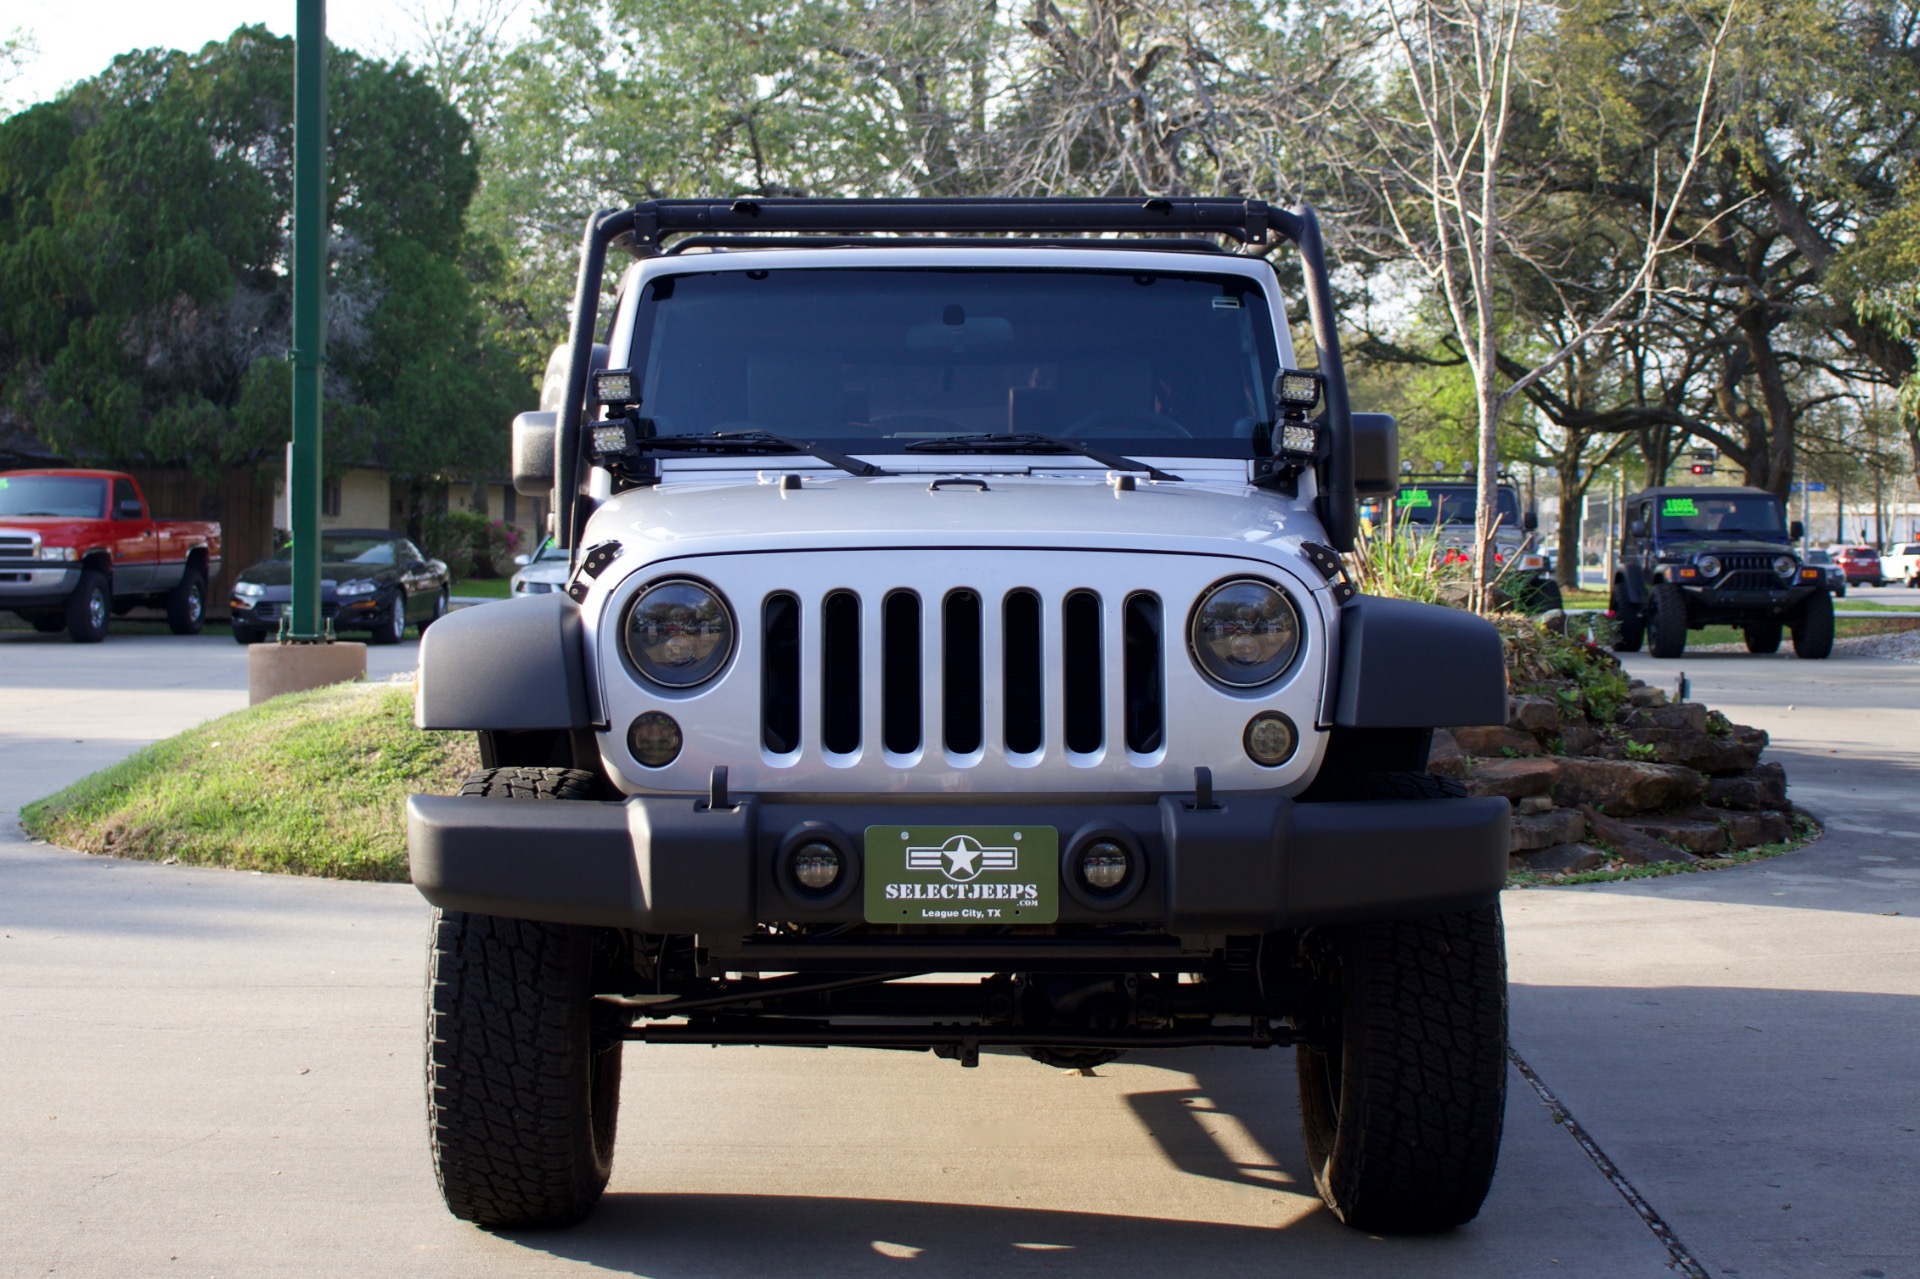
1694, 557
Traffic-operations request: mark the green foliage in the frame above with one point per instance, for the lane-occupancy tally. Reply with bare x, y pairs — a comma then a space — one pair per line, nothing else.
1642, 751
1545, 661
472, 545
144, 295
310, 784
1390, 560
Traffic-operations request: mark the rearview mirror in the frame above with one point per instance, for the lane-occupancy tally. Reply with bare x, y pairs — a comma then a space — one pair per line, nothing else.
1376, 453
533, 452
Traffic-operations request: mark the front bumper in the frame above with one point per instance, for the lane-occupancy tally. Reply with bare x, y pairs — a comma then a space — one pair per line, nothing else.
35, 587
1710, 603
1253, 863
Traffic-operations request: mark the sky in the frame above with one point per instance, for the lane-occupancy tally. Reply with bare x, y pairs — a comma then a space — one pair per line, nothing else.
78, 40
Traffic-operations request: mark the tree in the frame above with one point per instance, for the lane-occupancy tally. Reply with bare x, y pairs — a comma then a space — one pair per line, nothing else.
144, 299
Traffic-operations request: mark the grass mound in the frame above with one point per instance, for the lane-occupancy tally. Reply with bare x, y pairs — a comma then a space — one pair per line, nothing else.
309, 784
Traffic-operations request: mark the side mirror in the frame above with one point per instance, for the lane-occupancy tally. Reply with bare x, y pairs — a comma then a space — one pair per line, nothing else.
553, 385
131, 509
1530, 521
522, 560
1376, 453
533, 452
1796, 530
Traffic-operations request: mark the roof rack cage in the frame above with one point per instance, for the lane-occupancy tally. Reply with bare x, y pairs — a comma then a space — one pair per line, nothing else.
824, 241
1247, 221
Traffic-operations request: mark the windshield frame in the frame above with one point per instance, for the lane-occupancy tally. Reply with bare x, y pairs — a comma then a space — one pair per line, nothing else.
634, 332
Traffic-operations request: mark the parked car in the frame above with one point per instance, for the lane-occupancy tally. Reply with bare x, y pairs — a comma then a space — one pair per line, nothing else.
1444, 507
1836, 576
78, 547
1861, 564
372, 580
544, 571
1902, 563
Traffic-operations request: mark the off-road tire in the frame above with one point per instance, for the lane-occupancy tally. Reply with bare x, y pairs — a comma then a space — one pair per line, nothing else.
187, 602
1813, 628
1630, 628
1667, 630
1542, 598
89, 608
1403, 1093
1763, 637
522, 1098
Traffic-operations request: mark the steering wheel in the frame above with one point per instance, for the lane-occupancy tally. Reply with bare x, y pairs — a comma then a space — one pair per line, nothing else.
1132, 424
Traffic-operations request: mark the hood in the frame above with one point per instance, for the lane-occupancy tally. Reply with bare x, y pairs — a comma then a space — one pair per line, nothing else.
280, 572
950, 510
1710, 544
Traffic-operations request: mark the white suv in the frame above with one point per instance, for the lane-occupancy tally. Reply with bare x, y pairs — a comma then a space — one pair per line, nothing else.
1901, 563
952, 603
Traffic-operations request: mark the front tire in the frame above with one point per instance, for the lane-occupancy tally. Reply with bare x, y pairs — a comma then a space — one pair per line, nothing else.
187, 602
1668, 628
89, 609
522, 1097
391, 628
1813, 629
1403, 1096
1763, 637
440, 606
1629, 626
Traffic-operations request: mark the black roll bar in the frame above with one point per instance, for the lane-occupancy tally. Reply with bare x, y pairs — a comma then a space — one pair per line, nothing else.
646, 226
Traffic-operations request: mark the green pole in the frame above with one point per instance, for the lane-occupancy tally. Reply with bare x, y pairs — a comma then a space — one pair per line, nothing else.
309, 312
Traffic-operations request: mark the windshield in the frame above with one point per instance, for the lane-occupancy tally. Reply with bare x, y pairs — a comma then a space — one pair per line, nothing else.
550, 554
875, 359
348, 550
1735, 513
1451, 504
69, 496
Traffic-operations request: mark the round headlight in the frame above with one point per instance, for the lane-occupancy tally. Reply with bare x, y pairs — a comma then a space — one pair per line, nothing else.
1785, 565
1709, 565
679, 633
1244, 632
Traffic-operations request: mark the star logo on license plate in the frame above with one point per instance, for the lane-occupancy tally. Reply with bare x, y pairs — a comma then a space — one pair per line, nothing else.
962, 858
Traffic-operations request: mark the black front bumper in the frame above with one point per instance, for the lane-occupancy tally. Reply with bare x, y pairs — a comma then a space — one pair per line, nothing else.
1707, 604
1253, 863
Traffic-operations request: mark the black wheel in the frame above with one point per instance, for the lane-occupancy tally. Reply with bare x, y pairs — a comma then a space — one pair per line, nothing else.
1546, 598
1403, 1089
440, 605
89, 608
1629, 626
1667, 629
247, 634
391, 626
187, 602
523, 1096
1763, 637
46, 623
1813, 629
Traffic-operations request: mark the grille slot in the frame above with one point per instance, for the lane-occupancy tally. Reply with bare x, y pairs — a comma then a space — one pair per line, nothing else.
780, 674
961, 689
840, 673
1082, 675
1747, 572
1022, 678
900, 672
1146, 701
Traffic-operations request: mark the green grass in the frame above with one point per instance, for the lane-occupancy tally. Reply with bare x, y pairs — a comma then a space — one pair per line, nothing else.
491, 588
308, 784
1805, 831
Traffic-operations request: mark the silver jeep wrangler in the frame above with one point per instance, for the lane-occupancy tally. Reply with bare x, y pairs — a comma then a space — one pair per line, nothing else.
956, 589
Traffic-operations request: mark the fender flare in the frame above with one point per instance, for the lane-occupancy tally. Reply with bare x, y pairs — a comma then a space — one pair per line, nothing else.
1408, 665
518, 664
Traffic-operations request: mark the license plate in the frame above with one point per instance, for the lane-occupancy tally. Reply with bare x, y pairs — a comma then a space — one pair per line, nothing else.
962, 875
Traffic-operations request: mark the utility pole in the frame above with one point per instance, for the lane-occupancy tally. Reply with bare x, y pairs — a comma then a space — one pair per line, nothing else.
307, 655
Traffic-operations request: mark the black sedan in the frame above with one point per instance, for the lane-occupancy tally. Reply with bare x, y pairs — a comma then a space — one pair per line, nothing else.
372, 580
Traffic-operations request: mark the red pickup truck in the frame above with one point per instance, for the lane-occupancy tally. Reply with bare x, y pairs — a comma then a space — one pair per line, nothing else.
78, 546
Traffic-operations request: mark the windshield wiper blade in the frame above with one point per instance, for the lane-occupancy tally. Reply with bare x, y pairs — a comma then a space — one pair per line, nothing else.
1028, 442
756, 442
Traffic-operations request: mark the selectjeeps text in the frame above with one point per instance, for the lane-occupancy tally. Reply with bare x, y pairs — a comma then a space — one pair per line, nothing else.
956, 588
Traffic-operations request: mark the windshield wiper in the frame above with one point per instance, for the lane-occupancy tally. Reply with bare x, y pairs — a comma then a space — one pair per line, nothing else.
1027, 442
755, 442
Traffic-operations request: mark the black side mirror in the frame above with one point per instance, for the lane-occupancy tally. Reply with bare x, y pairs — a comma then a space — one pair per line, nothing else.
1796, 530
131, 509
1376, 453
533, 452
1530, 521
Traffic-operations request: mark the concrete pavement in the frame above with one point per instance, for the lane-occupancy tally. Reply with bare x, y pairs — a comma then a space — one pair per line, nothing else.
218, 1073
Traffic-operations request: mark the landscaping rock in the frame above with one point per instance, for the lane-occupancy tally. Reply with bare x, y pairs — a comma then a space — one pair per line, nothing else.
1561, 859
1629, 844
1689, 716
1774, 827
1512, 778
1762, 786
1534, 804
1484, 740
1696, 750
1625, 787
1703, 839
1530, 713
1640, 694
1582, 738
1530, 831
1446, 759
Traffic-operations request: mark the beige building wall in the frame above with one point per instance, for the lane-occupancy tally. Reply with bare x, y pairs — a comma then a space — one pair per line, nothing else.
364, 498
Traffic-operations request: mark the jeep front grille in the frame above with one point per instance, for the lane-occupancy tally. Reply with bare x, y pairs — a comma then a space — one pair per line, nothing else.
1748, 571
1095, 645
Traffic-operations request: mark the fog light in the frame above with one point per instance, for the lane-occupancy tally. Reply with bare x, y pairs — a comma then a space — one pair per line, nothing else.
1270, 739
1104, 865
817, 867
654, 739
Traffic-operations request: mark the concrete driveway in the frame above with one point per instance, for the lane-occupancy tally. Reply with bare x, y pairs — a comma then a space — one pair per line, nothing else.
205, 1072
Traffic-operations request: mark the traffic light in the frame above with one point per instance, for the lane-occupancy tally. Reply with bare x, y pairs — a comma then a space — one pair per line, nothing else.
1702, 468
